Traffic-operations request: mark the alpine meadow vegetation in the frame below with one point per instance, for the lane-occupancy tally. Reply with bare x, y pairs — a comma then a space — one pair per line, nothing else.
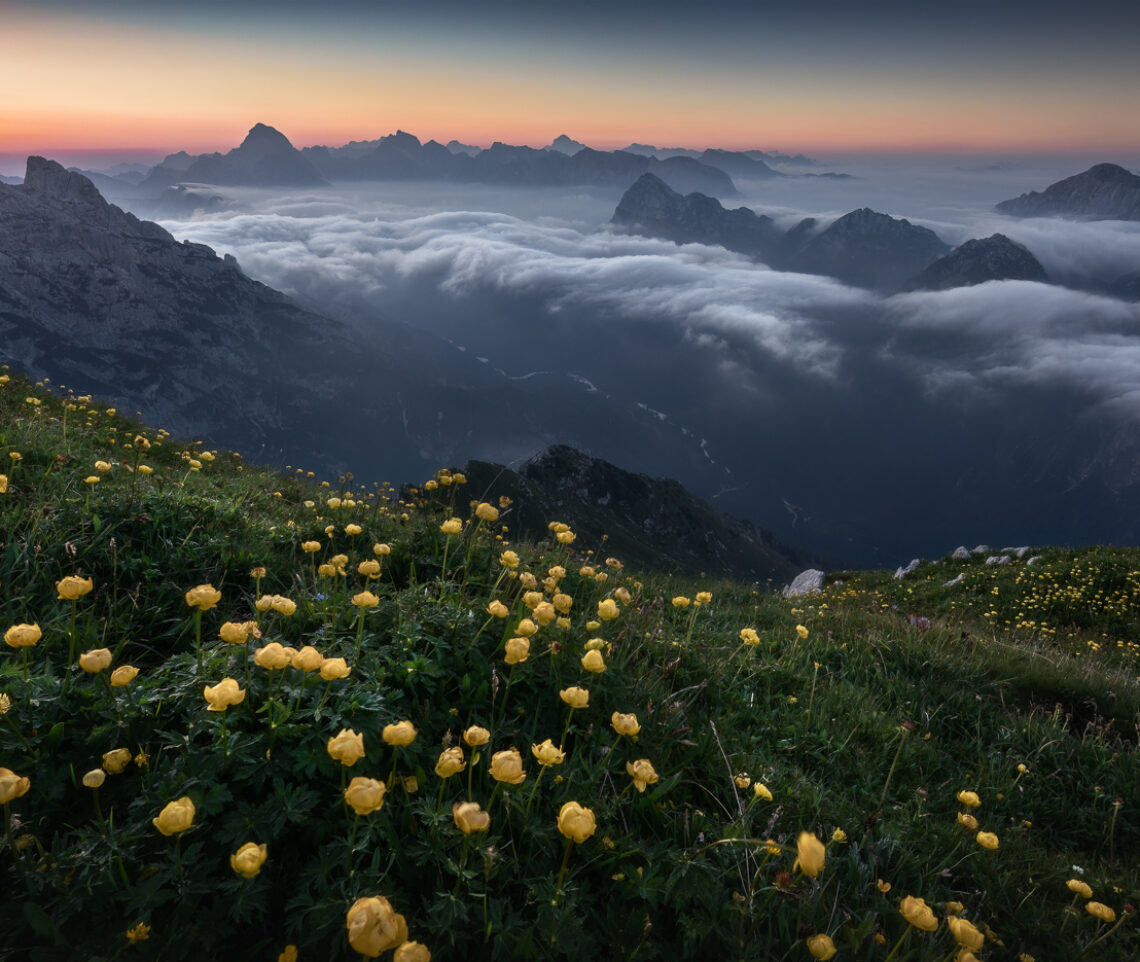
253, 714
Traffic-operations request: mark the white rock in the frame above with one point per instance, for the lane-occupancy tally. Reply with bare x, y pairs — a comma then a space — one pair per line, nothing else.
909, 569
954, 581
961, 553
805, 583
998, 559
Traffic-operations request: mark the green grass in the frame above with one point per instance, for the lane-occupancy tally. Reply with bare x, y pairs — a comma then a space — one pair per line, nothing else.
1019, 683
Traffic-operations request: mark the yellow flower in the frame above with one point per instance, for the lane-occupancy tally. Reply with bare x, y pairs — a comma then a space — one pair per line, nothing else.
138, 933
176, 817
412, 952
642, 773
95, 661
92, 479
810, 854
507, 767
5, 703
566, 537
575, 697
968, 820
1083, 889
94, 778
704, 597
801, 631
289, 955
509, 559
400, 734
518, 650
365, 599
544, 613
3, 484
821, 947
918, 913
369, 568
310, 547
352, 530
380, 549
595, 644
526, 628
681, 602
839, 836
272, 657
224, 694
593, 661
749, 636
762, 791
497, 609
576, 823
882, 886
476, 736
486, 512
987, 840
202, 597
1101, 911
145, 469
283, 606
12, 786
608, 609
116, 760
450, 762
327, 570
22, 636
563, 603
373, 927
73, 587
955, 908
965, 933
365, 795
452, 526
234, 632
347, 747
969, 799
248, 859
742, 781
334, 668
102, 467
308, 659
547, 754
469, 817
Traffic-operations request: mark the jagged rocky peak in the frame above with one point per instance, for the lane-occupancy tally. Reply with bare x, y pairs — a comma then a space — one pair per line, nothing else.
264, 139
566, 145
1103, 192
994, 258
47, 177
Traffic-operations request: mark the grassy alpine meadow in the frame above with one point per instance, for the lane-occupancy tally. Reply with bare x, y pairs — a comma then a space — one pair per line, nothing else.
249, 714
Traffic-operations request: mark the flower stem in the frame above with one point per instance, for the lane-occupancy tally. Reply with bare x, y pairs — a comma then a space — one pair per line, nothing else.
890, 774
898, 944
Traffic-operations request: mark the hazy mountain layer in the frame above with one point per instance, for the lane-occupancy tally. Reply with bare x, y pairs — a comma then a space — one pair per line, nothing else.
1104, 191
995, 258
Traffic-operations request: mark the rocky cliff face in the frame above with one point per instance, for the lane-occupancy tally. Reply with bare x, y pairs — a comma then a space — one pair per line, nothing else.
1103, 192
995, 258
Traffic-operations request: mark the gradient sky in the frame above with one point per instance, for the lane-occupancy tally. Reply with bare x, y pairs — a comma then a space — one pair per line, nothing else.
816, 77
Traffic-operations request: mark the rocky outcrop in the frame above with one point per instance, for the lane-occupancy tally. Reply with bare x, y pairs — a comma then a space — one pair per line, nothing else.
1103, 192
805, 583
994, 258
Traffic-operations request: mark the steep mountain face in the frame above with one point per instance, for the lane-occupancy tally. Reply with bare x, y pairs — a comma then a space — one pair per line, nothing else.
869, 249
995, 258
652, 207
265, 158
1103, 192
647, 522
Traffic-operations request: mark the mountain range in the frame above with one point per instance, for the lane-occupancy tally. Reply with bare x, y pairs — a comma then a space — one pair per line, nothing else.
1103, 192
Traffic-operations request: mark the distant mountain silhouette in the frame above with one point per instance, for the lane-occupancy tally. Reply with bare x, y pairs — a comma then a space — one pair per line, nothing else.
1103, 192
265, 158
565, 145
994, 258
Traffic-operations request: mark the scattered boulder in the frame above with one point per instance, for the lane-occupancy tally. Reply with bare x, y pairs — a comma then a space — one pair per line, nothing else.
1036, 557
954, 581
961, 553
805, 583
909, 569
998, 559
981, 549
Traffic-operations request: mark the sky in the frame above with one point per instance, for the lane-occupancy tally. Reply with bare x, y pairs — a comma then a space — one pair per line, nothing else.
154, 76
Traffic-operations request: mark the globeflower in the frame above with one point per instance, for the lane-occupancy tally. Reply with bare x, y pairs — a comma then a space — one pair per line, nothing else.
642, 773
272, 657
202, 597
234, 632
496, 609
352, 530
22, 636
801, 631
12, 786
469, 817
749, 636
116, 760
518, 650
476, 736
969, 799
73, 587
576, 823
625, 724
821, 947
373, 927
450, 762
918, 913
810, 854
526, 628
308, 659
123, 676
369, 568
987, 840
1083, 889
509, 559
310, 547
1100, 911
176, 817
575, 697
608, 609
452, 526
365, 795
224, 694
968, 821
248, 859
965, 933
400, 734
593, 662
95, 661
507, 767
486, 512
411, 952
547, 754
681, 602
347, 747
760, 790
334, 668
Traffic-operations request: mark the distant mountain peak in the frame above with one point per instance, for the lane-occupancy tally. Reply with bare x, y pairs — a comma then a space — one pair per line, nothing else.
566, 145
1103, 192
994, 258
47, 177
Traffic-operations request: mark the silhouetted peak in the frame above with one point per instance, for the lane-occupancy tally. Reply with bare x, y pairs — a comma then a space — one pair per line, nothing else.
264, 137
47, 177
